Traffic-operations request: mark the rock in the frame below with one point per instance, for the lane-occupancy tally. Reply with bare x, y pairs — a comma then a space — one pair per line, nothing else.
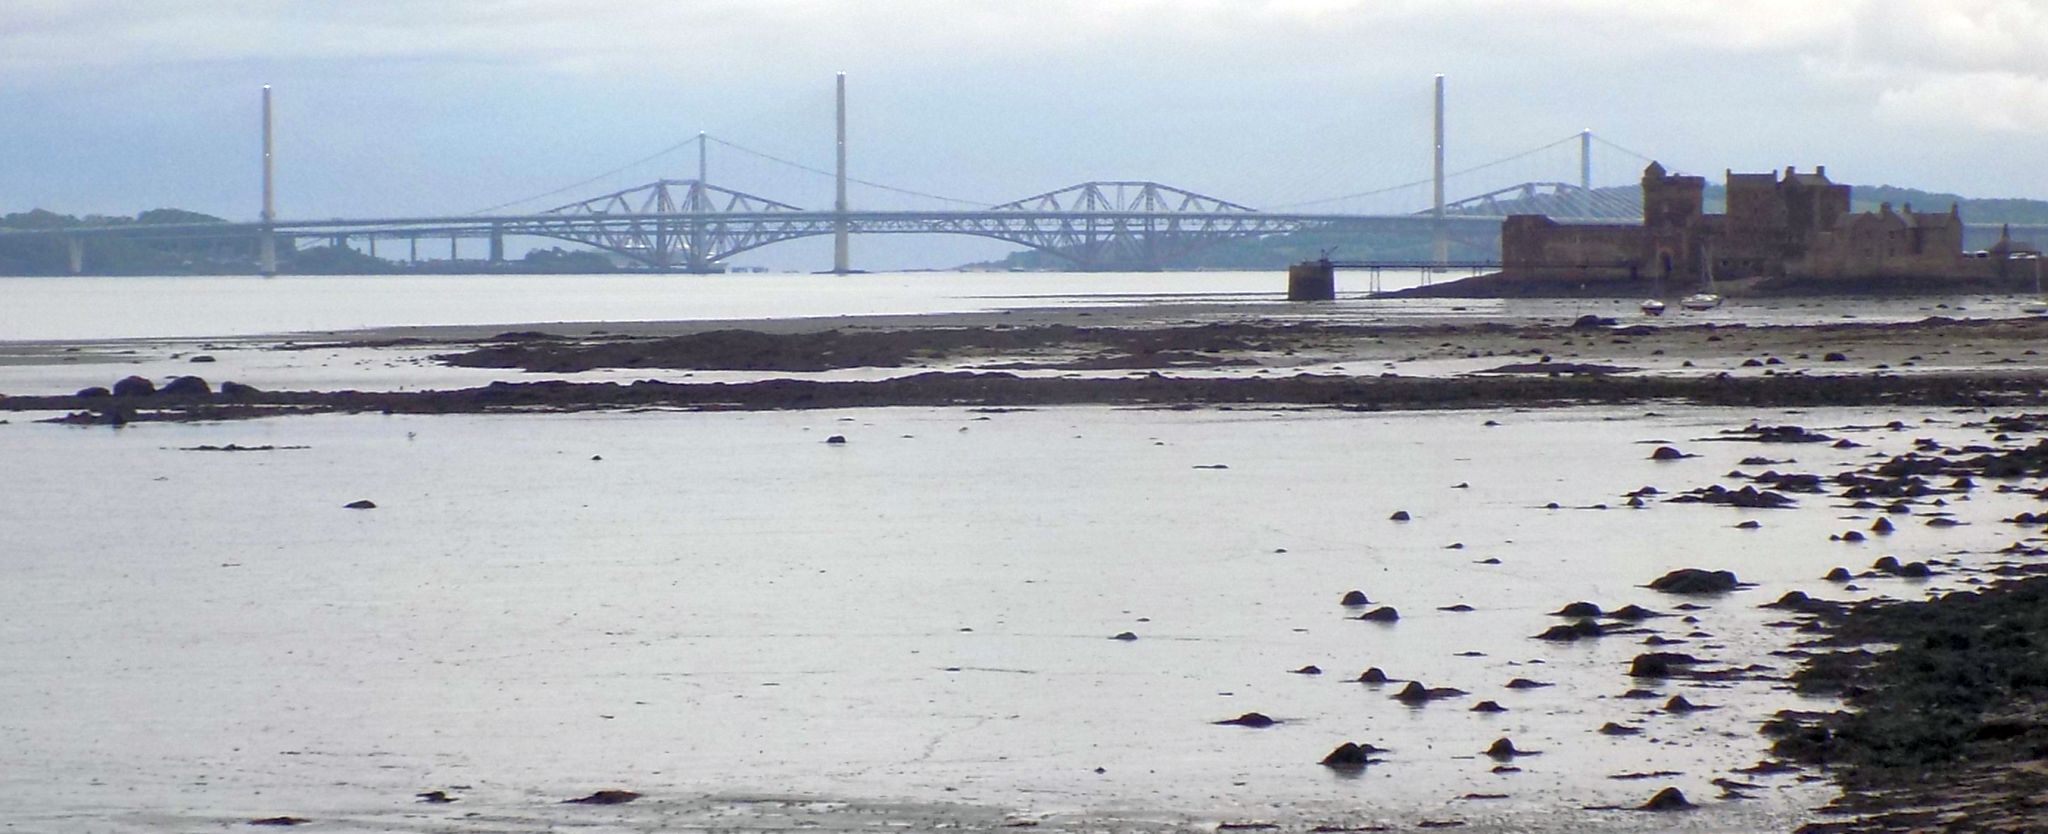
1794, 600
1669, 453
1415, 693
1612, 729
1886, 564
1634, 613
1670, 799
1569, 632
607, 797
238, 390
1696, 581
134, 386
1309, 670
1125, 636
1525, 683
1592, 322
836, 440
1915, 570
1881, 526
1659, 664
1852, 536
1382, 614
1354, 599
1459, 608
1503, 748
280, 821
1373, 675
1640, 695
1577, 609
1249, 719
186, 386
1839, 574
1399, 515
1678, 703
1350, 756
1943, 522
202, 358
1488, 706
435, 797
93, 393
365, 504
1748, 525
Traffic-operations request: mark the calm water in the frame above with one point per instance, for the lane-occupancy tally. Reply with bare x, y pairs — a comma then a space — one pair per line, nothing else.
724, 604
186, 307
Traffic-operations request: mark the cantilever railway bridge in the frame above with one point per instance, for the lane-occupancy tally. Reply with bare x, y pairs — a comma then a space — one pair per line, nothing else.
694, 226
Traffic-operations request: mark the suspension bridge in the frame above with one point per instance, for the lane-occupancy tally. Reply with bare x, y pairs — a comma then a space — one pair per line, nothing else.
694, 225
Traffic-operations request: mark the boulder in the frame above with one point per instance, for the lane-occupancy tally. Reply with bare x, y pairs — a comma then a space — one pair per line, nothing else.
1124, 636
1354, 598
1504, 748
1577, 609
1659, 664
364, 504
1382, 614
1568, 632
1525, 683
1373, 675
1350, 756
435, 797
1671, 799
1310, 669
1668, 453
134, 386
836, 440
1634, 613
1399, 515
237, 390
1249, 719
1696, 581
1612, 729
186, 386
1839, 574
93, 393
1415, 693
1488, 706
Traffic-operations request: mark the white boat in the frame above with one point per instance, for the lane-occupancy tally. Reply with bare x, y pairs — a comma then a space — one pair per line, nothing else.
1700, 301
2039, 305
1652, 307
1706, 298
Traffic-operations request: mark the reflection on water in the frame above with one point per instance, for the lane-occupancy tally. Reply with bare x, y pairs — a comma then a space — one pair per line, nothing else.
677, 603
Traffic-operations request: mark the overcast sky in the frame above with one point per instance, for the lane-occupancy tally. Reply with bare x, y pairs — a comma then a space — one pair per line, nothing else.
449, 106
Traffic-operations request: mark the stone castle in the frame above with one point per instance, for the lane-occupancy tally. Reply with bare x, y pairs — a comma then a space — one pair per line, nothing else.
1792, 226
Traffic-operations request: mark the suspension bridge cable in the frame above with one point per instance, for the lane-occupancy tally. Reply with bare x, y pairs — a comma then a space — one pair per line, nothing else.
580, 183
822, 172
1598, 138
1459, 173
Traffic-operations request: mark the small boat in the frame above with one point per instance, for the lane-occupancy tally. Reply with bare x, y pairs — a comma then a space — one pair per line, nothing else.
2039, 305
1700, 301
1652, 307
1706, 298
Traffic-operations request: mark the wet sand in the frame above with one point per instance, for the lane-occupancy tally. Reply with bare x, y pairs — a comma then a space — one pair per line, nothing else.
1902, 371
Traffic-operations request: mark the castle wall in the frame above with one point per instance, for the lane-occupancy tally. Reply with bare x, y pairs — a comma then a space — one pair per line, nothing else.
1796, 226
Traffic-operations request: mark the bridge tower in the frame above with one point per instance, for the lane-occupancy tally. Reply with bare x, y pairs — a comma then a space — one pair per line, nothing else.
840, 262
266, 240
1443, 240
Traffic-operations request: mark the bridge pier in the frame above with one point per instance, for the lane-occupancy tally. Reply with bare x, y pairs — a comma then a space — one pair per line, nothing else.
497, 243
74, 251
1312, 281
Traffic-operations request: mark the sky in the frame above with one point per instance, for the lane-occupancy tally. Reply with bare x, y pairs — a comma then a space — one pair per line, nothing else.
408, 107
